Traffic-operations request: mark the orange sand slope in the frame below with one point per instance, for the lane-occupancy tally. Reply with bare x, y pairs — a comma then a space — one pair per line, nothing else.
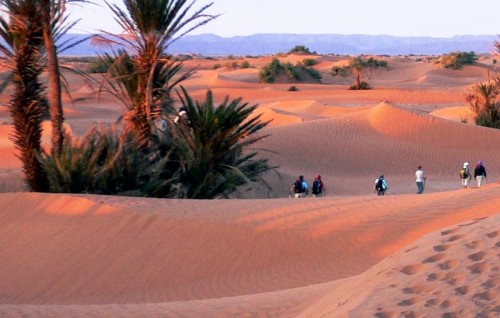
75, 255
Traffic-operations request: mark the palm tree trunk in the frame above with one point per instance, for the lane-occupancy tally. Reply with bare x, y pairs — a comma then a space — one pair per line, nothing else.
56, 109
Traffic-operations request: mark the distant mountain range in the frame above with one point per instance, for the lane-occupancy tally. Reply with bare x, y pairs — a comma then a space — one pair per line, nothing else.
263, 44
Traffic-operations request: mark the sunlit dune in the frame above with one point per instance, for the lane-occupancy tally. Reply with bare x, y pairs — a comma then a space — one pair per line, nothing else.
459, 113
285, 257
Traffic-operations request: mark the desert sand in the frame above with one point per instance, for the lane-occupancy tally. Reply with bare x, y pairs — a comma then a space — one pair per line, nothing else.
349, 254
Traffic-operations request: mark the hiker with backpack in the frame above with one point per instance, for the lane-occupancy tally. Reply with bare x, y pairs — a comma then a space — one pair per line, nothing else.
465, 175
380, 185
318, 188
480, 173
300, 188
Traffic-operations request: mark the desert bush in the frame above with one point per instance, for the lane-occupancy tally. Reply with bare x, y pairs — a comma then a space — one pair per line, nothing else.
309, 62
455, 60
485, 104
494, 61
100, 66
359, 86
293, 88
99, 162
314, 73
291, 72
270, 71
340, 71
300, 49
216, 66
245, 64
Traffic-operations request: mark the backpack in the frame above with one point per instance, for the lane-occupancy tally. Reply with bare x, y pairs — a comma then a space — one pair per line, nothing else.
380, 185
317, 187
298, 186
463, 173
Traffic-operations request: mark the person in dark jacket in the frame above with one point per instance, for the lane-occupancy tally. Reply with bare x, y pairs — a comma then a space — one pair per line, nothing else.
480, 173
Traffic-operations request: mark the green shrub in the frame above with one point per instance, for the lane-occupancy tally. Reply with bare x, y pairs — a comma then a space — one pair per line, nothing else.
245, 64
293, 88
340, 71
362, 86
456, 60
485, 103
216, 66
270, 72
300, 49
99, 162
314, 73
100, 65
309, 62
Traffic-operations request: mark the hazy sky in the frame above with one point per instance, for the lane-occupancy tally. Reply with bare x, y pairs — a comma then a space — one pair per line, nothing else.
436, 18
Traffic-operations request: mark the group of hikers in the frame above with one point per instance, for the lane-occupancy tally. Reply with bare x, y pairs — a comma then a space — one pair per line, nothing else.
300, 187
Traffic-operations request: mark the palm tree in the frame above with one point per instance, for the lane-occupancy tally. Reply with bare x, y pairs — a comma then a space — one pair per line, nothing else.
22, 33
151, 26
484, 103
211, 147
49, 9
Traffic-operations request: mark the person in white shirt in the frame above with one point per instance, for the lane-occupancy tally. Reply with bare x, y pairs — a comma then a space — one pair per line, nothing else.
420, 178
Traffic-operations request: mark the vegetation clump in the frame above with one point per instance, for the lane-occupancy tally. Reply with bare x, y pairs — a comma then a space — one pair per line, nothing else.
485, 104
455, 60
287, 72
301, 49
358, 66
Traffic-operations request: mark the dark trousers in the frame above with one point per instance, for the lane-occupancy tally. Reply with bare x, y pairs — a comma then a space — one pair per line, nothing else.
420, 186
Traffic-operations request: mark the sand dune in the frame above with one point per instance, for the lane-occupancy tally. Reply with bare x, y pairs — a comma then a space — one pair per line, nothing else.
349, 254
62, 252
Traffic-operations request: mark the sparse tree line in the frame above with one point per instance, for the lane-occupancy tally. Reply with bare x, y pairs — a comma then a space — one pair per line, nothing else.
204, 155
483, 98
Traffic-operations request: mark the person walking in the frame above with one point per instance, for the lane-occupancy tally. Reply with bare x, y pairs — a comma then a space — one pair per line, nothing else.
465, 175
420, 179
318, 187
380, 186
300, 188
480, 173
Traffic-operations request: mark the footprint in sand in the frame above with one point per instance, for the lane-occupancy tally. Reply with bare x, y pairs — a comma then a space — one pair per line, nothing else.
476, 257
453, 278
434, 276
487, 295
479, 268
409, 314
409, 301
492, 234
449, 264
449, 231
385, 314
492, 283
462, 290
448, 303
455, 238
441, 248
432, 302
412, 269
435, 258
474, 245
417, 289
